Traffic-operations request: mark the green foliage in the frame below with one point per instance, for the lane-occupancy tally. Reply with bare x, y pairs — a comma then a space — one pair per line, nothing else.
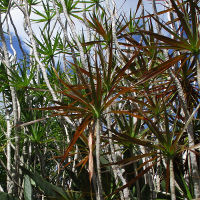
27, 188
145, 193
46, 16
51, 191
4, 5
5, 196
127, 85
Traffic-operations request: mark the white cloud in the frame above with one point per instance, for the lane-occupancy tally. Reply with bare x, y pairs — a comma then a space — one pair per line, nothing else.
123, 6
126, 5
18, 18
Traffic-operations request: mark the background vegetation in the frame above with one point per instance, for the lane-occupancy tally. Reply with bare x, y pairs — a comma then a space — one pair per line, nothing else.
109, 112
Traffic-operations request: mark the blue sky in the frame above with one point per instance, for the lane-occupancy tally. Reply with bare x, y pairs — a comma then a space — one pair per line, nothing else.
123, 6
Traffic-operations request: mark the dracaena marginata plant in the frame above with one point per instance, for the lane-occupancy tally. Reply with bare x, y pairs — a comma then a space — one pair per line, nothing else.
114, 105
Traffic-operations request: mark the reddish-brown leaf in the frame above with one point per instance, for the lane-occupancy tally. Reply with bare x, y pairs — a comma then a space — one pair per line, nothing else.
127, 113
123, 91
138, 5
77, 134
133, 180
82, 162
161, 68
130, 160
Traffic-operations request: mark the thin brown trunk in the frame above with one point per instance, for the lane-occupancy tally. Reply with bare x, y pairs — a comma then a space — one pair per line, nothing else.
8, 151
137, 182
117, 171
14, 105
158, 28
172, 180
98, 144
194, 167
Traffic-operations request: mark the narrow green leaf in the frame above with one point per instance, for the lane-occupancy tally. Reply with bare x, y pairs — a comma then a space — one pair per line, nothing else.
182, 20
51, 191
132, 181
5, 196
27, 188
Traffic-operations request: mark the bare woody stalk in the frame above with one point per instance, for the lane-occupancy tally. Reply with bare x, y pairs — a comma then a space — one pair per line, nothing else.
14, 57
8, 147
98, 144
84, 63
67, 39
1, 189
172, 180
114, 34
13, 60
83, 60
190, 130
158, 28
31, 35
118, 174
88, 30
73, 30
142, 14
117, 171
17, 35
198, 70
14, 105
36, 54
65, 32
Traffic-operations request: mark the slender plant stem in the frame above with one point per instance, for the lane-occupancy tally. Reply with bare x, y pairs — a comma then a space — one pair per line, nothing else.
98, 144
172, 180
